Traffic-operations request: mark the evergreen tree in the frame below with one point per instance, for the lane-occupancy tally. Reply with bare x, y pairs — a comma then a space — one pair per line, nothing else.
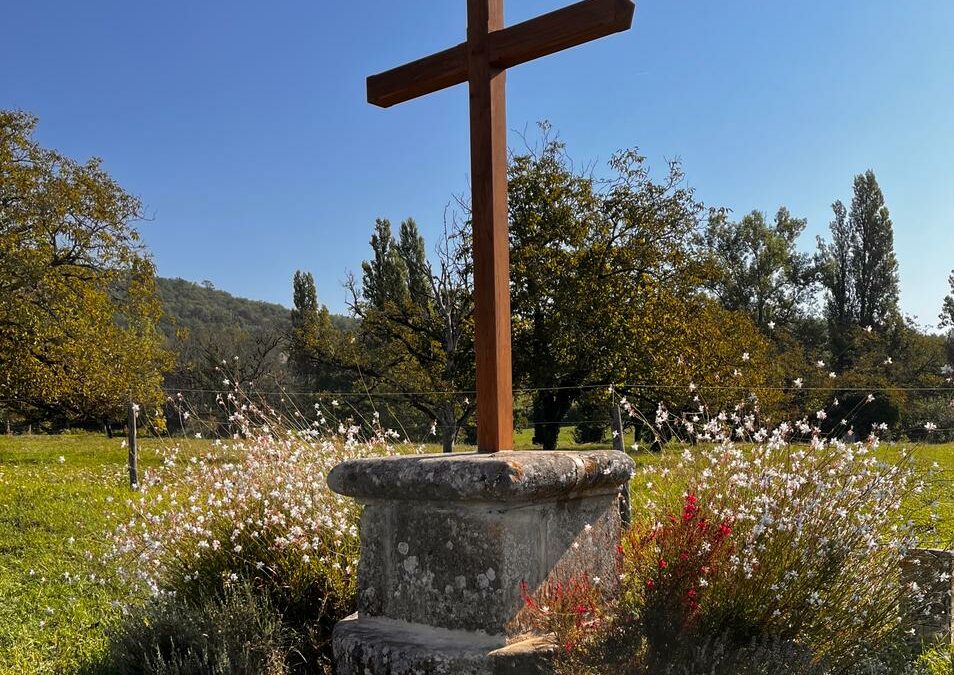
304, 325
311, 330
947, 309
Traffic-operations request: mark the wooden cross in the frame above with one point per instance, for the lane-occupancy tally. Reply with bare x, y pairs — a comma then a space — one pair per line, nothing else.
482, 62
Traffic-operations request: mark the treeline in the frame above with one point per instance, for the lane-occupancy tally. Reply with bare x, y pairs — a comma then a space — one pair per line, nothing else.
623, 285
627, 280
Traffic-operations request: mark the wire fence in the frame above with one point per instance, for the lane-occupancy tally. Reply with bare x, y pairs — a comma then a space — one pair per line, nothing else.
616, 390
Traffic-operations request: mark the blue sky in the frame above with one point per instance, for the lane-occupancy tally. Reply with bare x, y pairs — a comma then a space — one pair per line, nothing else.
243, 125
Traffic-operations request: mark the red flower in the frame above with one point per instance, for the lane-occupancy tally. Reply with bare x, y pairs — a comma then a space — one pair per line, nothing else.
663, 564
650, 584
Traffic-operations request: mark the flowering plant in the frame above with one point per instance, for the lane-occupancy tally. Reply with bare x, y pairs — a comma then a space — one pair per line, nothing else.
752, 535
252, 511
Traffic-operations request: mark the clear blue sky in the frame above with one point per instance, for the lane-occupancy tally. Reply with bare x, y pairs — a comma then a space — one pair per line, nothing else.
243, 125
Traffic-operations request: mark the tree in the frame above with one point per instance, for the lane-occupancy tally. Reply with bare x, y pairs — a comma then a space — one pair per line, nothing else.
415, 336
606, 278
758, 268
310, 327
858, 268
946, 316
873, 263
78, 305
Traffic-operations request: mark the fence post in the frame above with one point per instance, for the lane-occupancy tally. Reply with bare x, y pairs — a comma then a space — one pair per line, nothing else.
133, 446
616, 422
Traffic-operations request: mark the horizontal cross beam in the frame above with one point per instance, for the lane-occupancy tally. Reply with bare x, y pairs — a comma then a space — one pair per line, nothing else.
568, 27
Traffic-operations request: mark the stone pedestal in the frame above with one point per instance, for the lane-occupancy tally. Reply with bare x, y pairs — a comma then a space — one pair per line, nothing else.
447, 541
930, 608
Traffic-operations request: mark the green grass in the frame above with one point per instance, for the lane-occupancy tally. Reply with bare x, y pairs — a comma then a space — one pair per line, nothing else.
53, 615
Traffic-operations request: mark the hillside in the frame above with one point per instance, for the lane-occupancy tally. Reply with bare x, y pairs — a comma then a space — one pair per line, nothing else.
203, 309
206, 310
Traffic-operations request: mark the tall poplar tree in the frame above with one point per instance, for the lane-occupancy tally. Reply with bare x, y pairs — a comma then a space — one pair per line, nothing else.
859, 269
874, 266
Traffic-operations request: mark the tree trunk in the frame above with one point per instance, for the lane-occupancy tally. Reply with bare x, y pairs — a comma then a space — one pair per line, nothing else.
448, 422
447, 439
549, 409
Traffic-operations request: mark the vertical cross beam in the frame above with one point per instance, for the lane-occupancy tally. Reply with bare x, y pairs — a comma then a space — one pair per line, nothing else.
488, 160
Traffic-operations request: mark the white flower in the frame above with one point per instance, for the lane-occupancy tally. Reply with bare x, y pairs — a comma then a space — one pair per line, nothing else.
798, 382
771, 325
61, 459
930, 426
745, 356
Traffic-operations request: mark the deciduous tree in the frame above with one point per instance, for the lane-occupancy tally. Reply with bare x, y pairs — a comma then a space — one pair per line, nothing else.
78, 304
858, 267
607, 277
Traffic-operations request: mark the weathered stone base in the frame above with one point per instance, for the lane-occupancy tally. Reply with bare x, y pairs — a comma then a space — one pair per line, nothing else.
450, 543
382, 646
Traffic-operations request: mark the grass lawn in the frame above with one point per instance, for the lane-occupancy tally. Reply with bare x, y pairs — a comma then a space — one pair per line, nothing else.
53, 611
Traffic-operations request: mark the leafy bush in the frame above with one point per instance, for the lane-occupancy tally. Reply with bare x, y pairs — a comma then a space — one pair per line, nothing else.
747, 544
254, 512
237, 634
922, 413
588, 432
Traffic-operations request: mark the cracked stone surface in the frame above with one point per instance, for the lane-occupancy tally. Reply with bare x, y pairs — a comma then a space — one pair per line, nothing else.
379, 645
498, 477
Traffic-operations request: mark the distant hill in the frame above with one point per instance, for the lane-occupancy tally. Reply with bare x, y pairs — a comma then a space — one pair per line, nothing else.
203, 309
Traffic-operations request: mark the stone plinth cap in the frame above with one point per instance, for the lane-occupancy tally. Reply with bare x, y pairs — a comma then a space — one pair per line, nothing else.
499, 477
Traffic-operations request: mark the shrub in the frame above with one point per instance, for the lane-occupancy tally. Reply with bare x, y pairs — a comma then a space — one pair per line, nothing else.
239, 633
588, 432
255, 512
921, 413
754, 542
